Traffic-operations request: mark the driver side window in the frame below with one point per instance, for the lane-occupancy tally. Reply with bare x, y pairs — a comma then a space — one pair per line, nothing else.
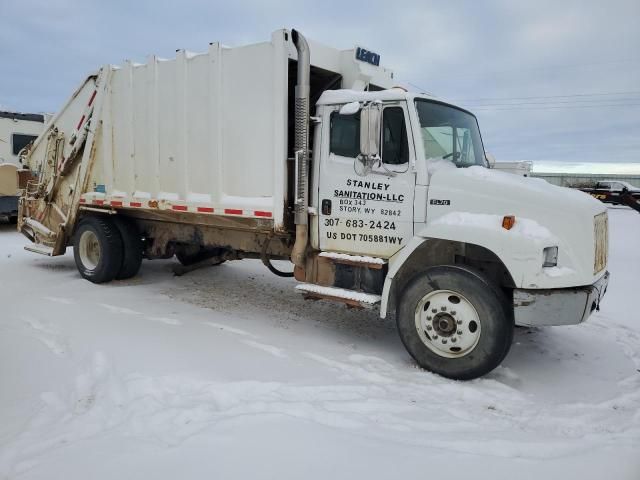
345, 136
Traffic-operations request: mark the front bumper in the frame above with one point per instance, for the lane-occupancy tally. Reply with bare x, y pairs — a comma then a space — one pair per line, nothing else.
558, 306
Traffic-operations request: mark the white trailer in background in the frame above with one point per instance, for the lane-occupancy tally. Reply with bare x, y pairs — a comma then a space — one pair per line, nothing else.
288, 149
522, 168
17, 130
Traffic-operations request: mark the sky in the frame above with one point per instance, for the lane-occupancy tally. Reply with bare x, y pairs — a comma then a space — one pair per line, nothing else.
554, 81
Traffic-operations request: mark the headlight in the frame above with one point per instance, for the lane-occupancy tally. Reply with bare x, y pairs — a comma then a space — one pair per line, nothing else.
550, 257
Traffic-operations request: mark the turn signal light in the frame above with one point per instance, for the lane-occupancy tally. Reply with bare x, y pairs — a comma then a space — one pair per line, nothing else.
508, 221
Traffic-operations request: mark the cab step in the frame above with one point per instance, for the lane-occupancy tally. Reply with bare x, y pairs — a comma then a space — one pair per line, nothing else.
350, 297
354, 260
41, 249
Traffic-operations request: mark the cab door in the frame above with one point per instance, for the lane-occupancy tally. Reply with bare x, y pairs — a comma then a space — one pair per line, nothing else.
366, 213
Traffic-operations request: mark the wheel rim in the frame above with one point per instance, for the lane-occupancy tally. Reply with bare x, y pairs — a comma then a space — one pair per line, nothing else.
447, 323
89, 250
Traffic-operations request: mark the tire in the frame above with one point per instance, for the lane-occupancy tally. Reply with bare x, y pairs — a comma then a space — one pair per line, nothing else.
132, 244
469, 333
187, 257
98, 249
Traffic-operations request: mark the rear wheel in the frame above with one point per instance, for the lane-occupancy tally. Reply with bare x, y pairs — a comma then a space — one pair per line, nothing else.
98, 249
454, 322
132, 244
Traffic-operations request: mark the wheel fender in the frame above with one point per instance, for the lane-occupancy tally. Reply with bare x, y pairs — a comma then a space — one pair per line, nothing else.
521, 254
395, 263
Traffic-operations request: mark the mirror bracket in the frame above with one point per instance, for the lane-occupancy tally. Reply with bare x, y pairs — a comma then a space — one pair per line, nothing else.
491, 161
370, 136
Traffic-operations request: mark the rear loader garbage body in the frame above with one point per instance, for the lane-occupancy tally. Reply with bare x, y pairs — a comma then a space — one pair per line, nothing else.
291, 150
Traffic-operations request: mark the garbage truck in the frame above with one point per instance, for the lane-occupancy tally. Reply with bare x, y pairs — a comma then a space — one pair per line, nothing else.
290, 150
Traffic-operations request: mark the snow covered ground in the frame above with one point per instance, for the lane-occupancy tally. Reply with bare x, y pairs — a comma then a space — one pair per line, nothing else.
228, 373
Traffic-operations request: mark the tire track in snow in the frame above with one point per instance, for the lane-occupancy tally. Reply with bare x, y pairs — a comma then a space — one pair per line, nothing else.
371, 398
47, 334
119, 310
62, 300
128, 311
230, 329
275, 351
168, 321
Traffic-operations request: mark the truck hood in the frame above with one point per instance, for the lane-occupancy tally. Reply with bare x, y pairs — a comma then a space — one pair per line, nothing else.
470, 203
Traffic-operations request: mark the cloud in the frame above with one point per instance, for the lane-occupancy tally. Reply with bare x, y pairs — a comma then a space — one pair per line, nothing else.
464, 50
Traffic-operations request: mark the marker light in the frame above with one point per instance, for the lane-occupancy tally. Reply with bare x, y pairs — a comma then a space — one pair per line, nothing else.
550, 256
508, 221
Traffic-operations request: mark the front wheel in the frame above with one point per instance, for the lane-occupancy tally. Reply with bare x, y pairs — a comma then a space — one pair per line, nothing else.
454, 322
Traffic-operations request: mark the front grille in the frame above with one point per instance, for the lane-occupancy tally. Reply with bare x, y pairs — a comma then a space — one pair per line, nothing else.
601, 238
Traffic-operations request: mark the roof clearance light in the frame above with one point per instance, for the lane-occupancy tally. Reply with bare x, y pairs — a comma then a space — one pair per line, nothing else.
508, 221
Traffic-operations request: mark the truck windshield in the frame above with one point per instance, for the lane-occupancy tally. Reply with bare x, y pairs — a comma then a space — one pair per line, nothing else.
450, 134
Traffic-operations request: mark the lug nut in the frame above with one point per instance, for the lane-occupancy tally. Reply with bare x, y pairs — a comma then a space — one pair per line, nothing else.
453, 312
434, 310
435, 337
454, 340
429, 317
429, 327
444, 309
459, 322
444, 340
459, 332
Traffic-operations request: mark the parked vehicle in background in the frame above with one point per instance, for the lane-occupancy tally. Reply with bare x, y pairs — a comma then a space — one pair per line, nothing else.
611, 191
616, 192
207, 157
17, 130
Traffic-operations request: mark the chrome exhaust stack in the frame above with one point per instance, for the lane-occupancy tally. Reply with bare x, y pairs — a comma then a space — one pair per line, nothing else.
301, 147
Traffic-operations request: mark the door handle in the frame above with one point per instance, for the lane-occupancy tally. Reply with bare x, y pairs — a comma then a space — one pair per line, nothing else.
326, 206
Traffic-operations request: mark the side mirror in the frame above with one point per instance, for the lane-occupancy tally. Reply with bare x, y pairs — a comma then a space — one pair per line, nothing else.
490, 160
370, 121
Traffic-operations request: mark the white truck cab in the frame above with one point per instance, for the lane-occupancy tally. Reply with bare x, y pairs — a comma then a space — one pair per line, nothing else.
380, 197
420, 196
